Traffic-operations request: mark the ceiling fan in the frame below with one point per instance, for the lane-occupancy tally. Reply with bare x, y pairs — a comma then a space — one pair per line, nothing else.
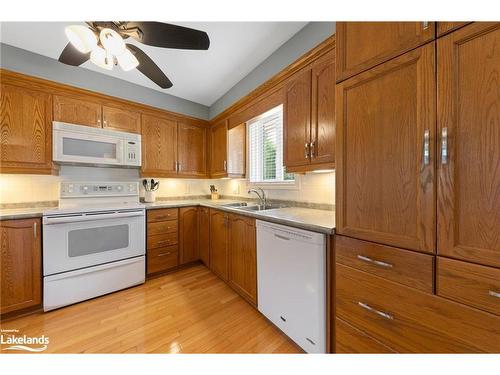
102, 42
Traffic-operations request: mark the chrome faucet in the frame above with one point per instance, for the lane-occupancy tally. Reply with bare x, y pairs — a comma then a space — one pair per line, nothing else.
261, 195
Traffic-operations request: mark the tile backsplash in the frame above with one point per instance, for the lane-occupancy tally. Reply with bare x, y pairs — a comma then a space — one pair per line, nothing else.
14, 188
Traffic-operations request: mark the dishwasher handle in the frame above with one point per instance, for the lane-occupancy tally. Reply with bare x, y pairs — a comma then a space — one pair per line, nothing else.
51, 220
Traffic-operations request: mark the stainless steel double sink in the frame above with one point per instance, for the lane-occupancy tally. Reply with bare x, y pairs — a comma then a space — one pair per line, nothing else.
244, 206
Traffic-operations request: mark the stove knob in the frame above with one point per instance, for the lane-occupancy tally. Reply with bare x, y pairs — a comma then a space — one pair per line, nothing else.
85, 189
119, 188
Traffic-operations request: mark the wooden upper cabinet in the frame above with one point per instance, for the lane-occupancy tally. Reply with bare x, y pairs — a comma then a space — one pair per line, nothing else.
469, 113
26, 128
121, 119
323, 110
446, 27
297, 119
385, 126
192, 150
20, 264
204, 235
77, 111
236, 151
362, 45
188, 235
159, 146
243, 256
218, 150
219, 256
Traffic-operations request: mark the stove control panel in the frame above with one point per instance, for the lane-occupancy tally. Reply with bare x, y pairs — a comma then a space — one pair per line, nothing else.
98, 189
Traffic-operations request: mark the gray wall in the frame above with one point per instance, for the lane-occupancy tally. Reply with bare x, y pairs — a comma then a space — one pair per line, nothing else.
307, 38
22, 61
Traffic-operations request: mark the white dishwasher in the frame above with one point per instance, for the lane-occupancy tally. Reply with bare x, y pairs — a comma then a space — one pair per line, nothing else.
291, 282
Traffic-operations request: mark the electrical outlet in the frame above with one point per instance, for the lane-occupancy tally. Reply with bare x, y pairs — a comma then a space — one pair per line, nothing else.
236, 188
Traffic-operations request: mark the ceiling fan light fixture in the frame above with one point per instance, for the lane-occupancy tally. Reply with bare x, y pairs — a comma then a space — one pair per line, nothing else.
127, 60
81, 37
101, 58
112, 41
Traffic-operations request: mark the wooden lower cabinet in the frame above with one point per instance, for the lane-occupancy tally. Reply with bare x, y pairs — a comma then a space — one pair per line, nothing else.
162, 240
243, 256
20, 264
204, 235
352, 340
411, 321
219, 256
188, 235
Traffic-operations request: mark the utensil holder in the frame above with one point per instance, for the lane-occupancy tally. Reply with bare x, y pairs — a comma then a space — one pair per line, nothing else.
150, 196
214, 196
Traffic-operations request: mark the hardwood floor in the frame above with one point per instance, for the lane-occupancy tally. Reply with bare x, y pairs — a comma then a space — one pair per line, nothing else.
189, 311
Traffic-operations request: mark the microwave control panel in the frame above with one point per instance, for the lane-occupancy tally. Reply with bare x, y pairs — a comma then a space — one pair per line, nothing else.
132, 153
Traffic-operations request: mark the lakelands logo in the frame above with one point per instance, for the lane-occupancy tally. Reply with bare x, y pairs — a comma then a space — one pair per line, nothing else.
18, 342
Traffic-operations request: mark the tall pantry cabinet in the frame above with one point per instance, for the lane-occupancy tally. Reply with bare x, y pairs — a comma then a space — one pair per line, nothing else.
418, 182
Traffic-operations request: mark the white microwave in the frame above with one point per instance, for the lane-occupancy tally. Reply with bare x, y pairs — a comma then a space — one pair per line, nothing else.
76, 144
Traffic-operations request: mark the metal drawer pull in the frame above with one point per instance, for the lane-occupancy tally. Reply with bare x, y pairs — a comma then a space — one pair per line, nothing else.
494, 294
281, 237
425, 25
378, 312
306, 155
312, 145
426, 147
163, 254
444, 146
377, 262
34, 230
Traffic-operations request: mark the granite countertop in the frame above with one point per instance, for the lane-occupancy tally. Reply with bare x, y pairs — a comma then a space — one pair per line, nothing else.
322, 221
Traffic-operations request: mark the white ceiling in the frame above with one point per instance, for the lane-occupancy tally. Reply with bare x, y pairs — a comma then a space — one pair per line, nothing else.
236, 48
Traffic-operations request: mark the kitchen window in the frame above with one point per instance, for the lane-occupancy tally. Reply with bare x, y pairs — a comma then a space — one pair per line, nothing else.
265, 150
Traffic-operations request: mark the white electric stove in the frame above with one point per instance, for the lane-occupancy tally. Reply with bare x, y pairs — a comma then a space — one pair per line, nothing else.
94, 243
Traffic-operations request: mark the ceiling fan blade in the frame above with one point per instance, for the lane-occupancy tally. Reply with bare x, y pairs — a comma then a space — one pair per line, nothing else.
149, 68
165, 35
71, 56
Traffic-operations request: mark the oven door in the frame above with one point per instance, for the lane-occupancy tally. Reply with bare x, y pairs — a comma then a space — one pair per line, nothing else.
77, 241
76, 147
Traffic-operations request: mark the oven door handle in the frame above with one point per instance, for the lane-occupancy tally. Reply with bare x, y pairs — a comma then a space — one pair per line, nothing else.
51, 220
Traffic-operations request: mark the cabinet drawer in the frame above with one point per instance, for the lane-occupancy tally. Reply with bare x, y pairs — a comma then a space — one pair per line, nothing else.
409, 320
351, 340
162, 227
163, 214
403, 266
162, 259
160, 240
474, 285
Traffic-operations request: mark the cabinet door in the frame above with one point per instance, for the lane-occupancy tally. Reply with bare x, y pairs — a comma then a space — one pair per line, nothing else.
218, 243
297, 120
159, 146
20, 264
77, 111
236, 151
385, 184
218, 141
192, 150
323, 110
446, 27
362, 45
121, 119
188, 234
26, 126
243, 257
204, 235
469, 111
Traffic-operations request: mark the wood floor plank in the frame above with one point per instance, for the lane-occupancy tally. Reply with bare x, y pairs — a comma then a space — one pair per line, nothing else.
189, 311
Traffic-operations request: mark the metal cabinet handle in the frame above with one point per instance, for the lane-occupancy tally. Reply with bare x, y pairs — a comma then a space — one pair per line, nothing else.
312, 145
34, 230
164, 254
444, 146
306, 155
425, 25
99, 122
426, 147
494, 294
378, 312
377, 262
178, 166
225, 165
